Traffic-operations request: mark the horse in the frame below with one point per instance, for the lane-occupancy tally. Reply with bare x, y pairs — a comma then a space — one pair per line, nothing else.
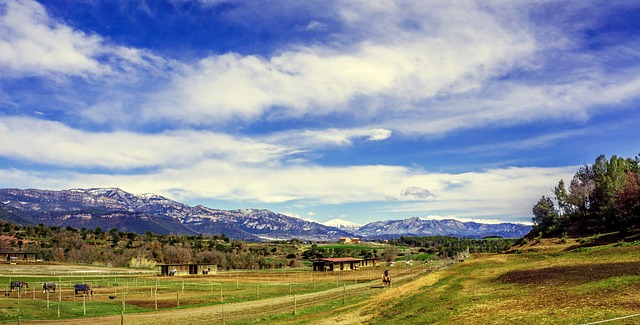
19, 285
386, 280
48, 286
84, 288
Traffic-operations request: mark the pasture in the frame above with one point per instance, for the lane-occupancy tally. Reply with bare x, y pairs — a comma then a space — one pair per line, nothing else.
126, 291
547, 282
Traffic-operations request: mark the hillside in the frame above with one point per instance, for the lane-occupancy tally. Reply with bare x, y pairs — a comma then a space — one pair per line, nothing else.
573, 281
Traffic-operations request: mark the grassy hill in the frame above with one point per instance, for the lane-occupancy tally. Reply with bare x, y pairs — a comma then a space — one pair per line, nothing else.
551, 281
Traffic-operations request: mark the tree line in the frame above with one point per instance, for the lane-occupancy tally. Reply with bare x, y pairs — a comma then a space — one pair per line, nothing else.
447, 246
602, 197
127, 249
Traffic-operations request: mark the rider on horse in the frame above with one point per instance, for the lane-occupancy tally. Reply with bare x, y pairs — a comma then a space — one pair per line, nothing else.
386, 279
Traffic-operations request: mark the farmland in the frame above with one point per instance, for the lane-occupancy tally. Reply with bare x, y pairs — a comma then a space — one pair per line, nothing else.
543, 281
123, 292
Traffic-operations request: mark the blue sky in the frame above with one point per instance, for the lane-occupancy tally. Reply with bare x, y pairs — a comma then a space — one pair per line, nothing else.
359, 110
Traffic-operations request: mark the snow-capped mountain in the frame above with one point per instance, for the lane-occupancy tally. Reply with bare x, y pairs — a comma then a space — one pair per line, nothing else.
420, 227
114, 208
342, 224
109, 208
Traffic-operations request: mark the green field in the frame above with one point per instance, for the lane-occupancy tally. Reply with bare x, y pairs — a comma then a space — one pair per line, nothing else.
117, 291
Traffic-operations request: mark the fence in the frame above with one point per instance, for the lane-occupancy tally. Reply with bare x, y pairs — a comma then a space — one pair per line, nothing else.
276, 291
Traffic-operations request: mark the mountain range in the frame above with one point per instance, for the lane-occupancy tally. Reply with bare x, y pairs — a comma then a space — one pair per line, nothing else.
109, 208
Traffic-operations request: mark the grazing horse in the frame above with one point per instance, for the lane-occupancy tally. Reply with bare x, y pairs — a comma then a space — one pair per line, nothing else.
48, 286
18, 284
85, 288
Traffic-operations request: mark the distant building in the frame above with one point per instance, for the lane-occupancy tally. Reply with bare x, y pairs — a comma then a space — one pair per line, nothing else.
343, 263
355, 240
344, 240
18, 256
187, 268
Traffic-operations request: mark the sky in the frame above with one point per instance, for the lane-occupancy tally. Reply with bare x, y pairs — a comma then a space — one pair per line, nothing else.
358, 110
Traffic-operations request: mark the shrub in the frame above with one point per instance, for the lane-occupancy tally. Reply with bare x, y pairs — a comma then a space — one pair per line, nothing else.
142, 263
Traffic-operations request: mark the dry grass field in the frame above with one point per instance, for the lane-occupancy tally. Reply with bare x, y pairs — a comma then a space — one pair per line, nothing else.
572, 281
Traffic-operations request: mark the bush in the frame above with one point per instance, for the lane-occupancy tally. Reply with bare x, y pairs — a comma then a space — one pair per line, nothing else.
141, 263
563, 238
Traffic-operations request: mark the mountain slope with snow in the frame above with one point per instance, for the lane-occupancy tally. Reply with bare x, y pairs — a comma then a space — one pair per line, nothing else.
343, 225
114, 208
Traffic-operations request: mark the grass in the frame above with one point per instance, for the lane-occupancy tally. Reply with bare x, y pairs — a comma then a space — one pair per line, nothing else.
548, 282
546, 285
173, 293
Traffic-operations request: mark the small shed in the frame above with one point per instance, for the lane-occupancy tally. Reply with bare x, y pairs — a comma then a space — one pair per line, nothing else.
336, 264
18, 256
187, 268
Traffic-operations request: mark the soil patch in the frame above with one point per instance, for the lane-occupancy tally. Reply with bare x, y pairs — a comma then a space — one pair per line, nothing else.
571, 274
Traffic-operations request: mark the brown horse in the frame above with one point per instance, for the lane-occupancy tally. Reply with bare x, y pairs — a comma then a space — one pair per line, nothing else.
18, 284
386, 280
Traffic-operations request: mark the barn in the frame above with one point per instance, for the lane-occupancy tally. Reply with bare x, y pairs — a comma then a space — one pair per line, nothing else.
187, 268
336, 264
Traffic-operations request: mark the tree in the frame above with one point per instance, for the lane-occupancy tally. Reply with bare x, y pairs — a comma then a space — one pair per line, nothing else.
545, 216
601, 197
390, 253
562, 198
627, 207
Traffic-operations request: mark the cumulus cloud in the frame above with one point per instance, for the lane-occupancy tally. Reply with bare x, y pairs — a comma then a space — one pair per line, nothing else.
31, 43
34, 44
53, 143
414, 192
461, 47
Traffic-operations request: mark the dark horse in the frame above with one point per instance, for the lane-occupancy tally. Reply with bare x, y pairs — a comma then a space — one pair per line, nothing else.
85, 288
19, 285
48, 286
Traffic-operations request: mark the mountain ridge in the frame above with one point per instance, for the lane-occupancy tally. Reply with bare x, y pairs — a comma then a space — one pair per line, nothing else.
115, 208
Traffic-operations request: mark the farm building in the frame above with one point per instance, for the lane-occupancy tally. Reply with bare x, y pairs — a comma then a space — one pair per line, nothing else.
184, 269
336, 264
370, 262
17, 256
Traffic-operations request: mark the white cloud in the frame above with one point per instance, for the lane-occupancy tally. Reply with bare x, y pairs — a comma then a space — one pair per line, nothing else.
414, 192
495, 194
34, 44
387, 71
31, 43
53, 143
506, 193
